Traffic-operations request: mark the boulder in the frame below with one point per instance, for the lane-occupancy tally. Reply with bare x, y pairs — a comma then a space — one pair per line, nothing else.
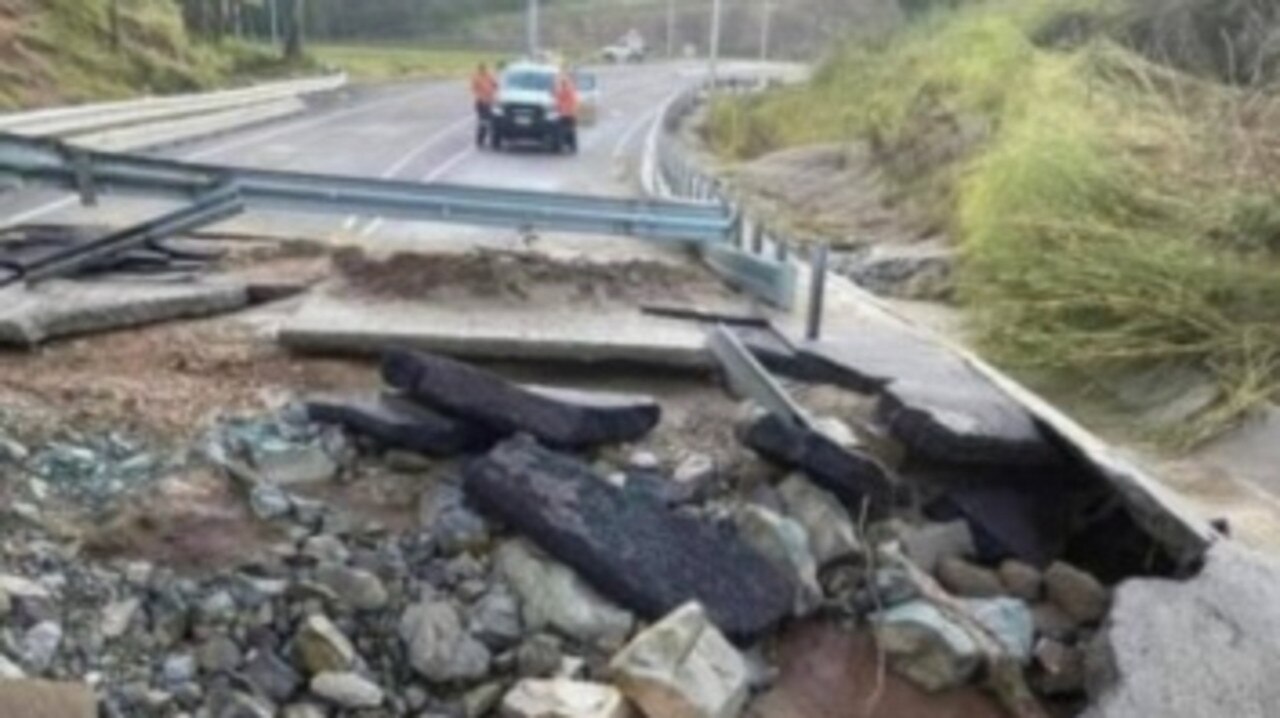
321, 647
926, 646
46, 699
347, 690
560, 698
440, 650
395, 422
852, 475
553, 596
558, 417
683, 667
785, 544
1079, 595
830, 530
643, 555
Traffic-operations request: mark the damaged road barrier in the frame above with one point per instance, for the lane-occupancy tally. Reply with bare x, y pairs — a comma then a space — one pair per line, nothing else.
817, 291
562, 418
630, 547
396, 422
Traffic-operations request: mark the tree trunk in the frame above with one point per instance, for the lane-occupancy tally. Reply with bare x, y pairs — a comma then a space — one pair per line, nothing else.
293, 30
113, 21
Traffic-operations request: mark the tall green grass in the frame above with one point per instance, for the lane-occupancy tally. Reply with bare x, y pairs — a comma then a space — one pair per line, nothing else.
1116, 216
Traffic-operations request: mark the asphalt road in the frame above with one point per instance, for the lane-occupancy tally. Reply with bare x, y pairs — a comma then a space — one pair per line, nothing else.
416, 132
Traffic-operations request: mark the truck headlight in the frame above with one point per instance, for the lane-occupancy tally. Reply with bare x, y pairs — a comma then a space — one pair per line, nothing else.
496, 110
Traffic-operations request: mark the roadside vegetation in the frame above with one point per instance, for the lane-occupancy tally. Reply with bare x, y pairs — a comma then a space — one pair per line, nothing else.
376, 63
1110, 173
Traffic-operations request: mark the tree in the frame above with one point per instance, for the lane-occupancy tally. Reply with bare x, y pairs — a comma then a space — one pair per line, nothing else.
294, 17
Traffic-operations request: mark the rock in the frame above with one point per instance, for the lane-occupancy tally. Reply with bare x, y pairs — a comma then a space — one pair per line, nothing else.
1078, 594
558, 417
217, 608
397, 422
325, 549
966, 579
272, 676
1021, 579
117, 616
919, 270
177, 669
495, 619
304, 710
837, 431
239, 705
830, 530
561, 698
439, 649
695, 469
40, 644
1051, 622
852, 475
644, 461
682, 667
1204, 646
538, 657
219, 654
355, 587
1009, 620
785, 544
348, 690
481, 700
1061, 669
10, 670
927, 545
322, 648
269, 502
635, 550
46, 699
829, 671
553, 596
454, 527
931, 399
1012, 511
926, 646
18, 587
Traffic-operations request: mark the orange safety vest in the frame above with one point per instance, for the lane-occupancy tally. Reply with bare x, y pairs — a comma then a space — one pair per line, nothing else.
484, 87
566, 99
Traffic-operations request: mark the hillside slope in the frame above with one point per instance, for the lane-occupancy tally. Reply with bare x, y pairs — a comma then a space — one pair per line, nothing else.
60, 51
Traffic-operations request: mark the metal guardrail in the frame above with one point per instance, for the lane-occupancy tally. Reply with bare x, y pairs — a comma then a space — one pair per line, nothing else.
53, 163
70, 122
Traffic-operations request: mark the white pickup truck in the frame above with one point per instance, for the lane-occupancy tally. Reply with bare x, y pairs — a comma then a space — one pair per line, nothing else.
526, 109
630, 48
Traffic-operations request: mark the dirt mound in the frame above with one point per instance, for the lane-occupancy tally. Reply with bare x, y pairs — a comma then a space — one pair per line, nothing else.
514, 276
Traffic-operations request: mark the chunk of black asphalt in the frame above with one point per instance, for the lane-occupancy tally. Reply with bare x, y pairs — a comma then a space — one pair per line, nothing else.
558, 417
629, 546
396, 422
854, 477
931, 400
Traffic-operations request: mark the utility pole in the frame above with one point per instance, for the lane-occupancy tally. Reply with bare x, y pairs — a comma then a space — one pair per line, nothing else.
713, 53
671, 29
766, 21
531, 29
275, 23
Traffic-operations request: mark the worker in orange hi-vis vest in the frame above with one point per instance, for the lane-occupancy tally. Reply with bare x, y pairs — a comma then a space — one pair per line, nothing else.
567, 108
484, 88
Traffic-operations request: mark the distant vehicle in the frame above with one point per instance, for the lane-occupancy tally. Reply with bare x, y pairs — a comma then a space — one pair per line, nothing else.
526, 108
630, 48
588, 86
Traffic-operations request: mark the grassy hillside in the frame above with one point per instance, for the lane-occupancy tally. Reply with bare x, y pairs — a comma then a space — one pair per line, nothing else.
1114, 213
375, 63
58, 51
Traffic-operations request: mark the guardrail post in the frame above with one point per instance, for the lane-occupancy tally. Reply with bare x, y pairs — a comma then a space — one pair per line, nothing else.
757, 238
781, 251
817, 290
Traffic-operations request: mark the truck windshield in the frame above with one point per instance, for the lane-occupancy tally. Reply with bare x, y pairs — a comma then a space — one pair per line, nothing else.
537, 81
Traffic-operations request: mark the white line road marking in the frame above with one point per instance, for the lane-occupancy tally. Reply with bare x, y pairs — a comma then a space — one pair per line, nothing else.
632, 130
436, 173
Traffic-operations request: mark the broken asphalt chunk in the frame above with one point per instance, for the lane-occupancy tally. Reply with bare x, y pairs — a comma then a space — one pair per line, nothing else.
851, 475
557, 417
630, 547
399, 423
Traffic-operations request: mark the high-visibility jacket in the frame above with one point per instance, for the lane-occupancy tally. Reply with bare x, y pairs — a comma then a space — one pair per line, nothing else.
566, 98
484, 88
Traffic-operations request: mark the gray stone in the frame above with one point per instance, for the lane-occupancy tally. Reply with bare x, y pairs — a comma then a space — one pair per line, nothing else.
40, 644
837, 431
927, 545
786, 545
683, 667
926, 646
1021, 579
322, 647
453, 525
347, 689
304, 710
966, 579
1009, 620
10, 670
495, 619
1205, 646
538, 657
695, 469
439, 649
272, 676
1078, 594
1051, 622
177, 669
559, 698
552, 595
831, 533
918, 270
288, 464
117, 616
481, 700
269, 502
219, 654
355, 587
218, 607
643, 460
325, 548
1061, 669
240, 705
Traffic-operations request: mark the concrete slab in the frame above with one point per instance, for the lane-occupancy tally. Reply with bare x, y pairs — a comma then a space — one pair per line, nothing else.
590, 334
31, 316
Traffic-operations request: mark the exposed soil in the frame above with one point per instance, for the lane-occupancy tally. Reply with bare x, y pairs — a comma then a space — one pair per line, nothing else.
518, 277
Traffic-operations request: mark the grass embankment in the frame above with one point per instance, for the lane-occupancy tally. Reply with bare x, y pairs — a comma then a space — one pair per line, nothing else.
1113, 214
376, 63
